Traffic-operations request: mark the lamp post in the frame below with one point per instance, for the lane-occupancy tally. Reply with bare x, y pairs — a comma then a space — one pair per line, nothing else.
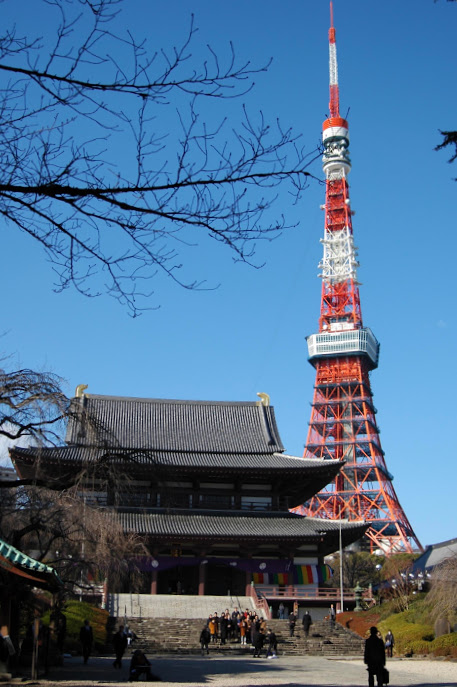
341, 568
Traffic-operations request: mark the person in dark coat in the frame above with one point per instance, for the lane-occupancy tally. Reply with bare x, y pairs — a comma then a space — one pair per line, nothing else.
374, 657
205, 636
257, 640
389, 644
306, 622
272, 644
120, 644
140, 665
223, 628
86, 637
292, 622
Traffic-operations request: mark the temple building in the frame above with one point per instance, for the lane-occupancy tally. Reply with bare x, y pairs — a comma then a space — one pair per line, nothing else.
206, 485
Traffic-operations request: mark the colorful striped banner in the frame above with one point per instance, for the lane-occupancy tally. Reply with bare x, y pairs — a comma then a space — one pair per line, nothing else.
312, 574
280, 579
302, 574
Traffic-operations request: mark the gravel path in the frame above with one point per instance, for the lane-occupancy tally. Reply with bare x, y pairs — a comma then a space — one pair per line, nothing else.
248, 672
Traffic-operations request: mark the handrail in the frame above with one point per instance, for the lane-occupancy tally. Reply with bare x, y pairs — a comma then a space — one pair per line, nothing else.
260, 602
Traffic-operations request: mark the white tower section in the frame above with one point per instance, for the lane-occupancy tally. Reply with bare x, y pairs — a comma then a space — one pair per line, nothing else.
339, 262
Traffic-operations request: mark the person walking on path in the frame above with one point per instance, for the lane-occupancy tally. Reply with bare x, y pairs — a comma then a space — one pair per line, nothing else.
120, 644
374, 657
292, 621
272, 644
86, 637
389, 643
306, 622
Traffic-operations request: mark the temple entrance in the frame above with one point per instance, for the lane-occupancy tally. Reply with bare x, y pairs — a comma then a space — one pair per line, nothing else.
183, 579
222, 580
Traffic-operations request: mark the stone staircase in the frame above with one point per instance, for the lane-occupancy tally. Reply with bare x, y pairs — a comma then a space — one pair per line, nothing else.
181, 636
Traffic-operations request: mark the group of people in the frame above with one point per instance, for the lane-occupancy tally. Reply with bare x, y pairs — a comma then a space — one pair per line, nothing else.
237, 626
245, 627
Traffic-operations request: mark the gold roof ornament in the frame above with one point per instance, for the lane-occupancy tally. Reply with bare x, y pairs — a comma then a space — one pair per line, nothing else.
264, 399
79, 391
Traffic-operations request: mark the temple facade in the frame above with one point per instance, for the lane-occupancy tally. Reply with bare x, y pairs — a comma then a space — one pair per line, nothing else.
206, 485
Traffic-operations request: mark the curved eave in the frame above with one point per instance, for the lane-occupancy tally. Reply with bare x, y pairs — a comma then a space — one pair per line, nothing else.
298, 478
216, 527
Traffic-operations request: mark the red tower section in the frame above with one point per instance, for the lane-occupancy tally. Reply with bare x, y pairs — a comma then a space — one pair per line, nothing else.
343, 418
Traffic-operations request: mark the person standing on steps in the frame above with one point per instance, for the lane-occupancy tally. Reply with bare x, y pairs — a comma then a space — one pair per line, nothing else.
205, 637
292, 622
306, 622
332, 616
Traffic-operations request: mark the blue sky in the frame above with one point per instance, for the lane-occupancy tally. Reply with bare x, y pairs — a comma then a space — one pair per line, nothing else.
397, 67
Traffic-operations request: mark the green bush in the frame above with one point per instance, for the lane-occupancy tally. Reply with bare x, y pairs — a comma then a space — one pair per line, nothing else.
418, 647
76, 612
446, 645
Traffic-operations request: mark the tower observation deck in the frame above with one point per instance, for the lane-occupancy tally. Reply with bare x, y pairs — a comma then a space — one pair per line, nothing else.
343, 418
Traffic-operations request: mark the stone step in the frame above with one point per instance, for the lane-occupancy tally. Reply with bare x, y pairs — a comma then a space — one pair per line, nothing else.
181, 636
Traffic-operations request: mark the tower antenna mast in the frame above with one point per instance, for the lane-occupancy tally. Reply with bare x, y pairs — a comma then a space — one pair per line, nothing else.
334, 105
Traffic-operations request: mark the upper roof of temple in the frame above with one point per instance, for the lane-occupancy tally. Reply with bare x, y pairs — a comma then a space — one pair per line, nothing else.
173, 425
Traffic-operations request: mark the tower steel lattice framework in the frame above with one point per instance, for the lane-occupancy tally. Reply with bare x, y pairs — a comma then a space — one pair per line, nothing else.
343, 417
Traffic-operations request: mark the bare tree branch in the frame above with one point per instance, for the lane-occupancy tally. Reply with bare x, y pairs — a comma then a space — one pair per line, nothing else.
107, 159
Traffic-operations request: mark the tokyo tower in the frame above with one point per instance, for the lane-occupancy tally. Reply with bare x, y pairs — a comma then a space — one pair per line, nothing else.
343, 418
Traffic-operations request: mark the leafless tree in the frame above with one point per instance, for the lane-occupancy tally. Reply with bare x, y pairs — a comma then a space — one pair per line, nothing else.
66, 530
107, 160
442, 597
396, 572
32, 406
449, 139
358, 567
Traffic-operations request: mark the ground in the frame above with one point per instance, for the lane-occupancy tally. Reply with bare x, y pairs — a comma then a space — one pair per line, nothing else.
239, 671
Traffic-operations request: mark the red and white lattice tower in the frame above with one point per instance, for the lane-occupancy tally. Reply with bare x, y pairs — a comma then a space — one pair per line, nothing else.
343, 418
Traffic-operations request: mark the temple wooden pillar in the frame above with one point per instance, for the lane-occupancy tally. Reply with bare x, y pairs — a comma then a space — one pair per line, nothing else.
155, 576
202, 578
248, 583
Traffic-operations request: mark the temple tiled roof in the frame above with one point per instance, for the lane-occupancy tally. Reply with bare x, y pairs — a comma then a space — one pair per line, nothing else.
30, 570
215, 526
68, 455
173, 425
299, 478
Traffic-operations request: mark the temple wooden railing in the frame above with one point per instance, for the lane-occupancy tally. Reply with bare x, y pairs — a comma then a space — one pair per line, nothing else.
271, 592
